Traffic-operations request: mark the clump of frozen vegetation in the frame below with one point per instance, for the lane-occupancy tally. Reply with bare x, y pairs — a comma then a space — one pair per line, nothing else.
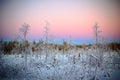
63, 63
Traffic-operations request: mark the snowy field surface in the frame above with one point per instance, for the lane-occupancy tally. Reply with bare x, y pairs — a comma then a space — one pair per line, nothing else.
78, 64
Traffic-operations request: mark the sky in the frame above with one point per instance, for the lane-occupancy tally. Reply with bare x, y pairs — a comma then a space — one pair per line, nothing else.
68, 19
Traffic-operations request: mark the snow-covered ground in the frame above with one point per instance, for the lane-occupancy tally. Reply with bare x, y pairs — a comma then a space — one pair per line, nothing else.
72, 65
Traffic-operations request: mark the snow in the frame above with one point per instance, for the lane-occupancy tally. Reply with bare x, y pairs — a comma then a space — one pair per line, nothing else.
72, 65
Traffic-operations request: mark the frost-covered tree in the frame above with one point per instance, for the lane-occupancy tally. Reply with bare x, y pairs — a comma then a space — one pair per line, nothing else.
96, 33
46, 30
24, 31
97, 39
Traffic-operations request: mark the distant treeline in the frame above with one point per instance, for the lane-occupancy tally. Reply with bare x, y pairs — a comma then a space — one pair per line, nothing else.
9, 47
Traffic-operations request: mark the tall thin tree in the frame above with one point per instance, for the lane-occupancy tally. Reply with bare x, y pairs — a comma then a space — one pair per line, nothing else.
96, 33
46, 31
24, 31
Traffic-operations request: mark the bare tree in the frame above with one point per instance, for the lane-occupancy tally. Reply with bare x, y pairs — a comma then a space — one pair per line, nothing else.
96, 33
24, 31
46, 30
100, 50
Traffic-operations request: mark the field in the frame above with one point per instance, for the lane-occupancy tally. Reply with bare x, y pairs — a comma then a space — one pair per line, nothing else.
60, 64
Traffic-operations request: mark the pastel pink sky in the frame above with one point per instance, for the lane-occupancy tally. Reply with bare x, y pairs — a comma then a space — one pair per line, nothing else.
66, 17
